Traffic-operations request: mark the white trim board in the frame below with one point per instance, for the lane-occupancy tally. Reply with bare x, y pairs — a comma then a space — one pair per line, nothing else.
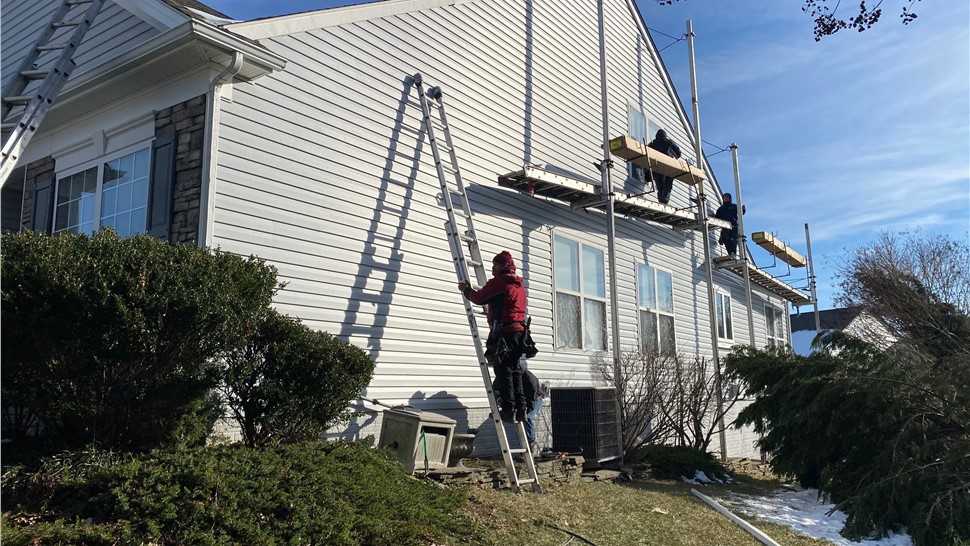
301, 22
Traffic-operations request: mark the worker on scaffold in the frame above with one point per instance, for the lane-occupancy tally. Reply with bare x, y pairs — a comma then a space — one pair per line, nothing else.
664, 145
505, 296
728, 211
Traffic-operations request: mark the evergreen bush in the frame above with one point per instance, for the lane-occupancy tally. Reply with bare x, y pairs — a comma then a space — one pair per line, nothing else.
114, 340
676, 462
290, 383
333, 493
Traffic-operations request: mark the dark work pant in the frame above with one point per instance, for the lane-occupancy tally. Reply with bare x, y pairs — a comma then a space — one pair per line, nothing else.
664, 185
508, 373
729, 238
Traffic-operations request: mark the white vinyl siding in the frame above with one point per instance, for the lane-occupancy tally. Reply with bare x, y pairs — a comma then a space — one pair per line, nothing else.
115, 30
656, 302
580, 296
325, 171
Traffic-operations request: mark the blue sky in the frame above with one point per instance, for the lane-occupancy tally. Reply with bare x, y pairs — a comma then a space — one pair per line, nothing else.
854, 135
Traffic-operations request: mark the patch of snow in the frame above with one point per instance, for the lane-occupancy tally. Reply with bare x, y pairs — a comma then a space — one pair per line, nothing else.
805, 512
699, 478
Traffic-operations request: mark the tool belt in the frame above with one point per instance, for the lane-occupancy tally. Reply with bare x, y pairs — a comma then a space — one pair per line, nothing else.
497, 348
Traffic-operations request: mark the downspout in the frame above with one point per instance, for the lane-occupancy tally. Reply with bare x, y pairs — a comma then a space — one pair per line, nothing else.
706, 237
210, 154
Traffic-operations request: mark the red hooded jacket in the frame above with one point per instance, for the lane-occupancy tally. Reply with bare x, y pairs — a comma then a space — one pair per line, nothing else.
504, 294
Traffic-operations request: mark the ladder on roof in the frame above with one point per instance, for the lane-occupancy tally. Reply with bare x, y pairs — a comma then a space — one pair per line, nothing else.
31, 91
460, 239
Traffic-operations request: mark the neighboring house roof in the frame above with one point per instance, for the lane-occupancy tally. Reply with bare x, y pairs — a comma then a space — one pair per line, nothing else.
830, 319
192, 9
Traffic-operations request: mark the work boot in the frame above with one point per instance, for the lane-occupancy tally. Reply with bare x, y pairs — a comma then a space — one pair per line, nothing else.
520, 414
507, 414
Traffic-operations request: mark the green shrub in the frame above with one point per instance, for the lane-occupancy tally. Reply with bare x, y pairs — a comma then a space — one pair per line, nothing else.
290, 382
676, 462
114, 340
314, 493
885, 438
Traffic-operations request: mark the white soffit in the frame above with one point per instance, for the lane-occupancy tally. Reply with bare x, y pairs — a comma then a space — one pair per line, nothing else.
302, 22
157, 14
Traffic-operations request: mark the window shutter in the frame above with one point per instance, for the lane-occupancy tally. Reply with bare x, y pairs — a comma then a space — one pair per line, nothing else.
162, 186
41, 219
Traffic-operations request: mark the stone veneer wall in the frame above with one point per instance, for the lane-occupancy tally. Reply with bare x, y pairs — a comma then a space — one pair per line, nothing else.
38, 172
187, 121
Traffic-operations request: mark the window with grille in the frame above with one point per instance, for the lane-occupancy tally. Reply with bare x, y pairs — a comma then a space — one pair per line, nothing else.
775, 326
655, 296
112, 193
580, 281
725, 325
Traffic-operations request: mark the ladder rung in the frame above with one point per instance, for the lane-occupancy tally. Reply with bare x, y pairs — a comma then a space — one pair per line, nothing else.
516, 451
35, 74
64, 24
18, 99
8, 125
526, 481
51, 47
473, 263
467, 238
78, 2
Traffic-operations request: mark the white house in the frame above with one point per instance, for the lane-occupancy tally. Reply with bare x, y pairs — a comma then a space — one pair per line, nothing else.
299, 139
851, 320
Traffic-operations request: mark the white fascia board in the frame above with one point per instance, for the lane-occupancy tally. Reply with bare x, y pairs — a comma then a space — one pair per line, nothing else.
175, 39
302, 22
157, 14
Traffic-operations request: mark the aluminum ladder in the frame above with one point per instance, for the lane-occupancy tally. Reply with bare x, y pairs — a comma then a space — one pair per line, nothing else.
459, 240
31, 91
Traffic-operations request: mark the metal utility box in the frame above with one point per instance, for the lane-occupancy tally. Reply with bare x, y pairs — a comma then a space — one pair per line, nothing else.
585, 418
412, 433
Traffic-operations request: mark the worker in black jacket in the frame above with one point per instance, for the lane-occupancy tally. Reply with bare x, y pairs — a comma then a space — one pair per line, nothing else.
728, 212
664, 183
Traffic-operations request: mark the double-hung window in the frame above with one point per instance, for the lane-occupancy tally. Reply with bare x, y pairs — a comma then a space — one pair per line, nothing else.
725, 326
638, 131
655, 295
111, 193
774, 326
580, 295
642, 130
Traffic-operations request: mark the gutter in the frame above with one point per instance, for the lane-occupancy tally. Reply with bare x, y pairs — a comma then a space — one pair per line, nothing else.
210, 163
165, 44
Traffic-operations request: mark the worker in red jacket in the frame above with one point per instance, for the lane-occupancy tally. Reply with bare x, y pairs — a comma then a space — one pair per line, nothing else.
504, 294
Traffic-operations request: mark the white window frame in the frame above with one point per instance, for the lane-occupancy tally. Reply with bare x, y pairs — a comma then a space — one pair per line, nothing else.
636, 172
583, 297
99, 188
725, 316
657, 312
780, 337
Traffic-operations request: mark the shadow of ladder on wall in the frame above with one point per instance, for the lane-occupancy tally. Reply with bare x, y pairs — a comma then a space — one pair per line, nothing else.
31, 91
460, 240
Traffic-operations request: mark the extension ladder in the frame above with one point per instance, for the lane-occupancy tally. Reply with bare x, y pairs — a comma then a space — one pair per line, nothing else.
458, 240
44, 70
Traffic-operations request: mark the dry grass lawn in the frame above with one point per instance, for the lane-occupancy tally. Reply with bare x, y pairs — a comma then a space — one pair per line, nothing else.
642, 512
